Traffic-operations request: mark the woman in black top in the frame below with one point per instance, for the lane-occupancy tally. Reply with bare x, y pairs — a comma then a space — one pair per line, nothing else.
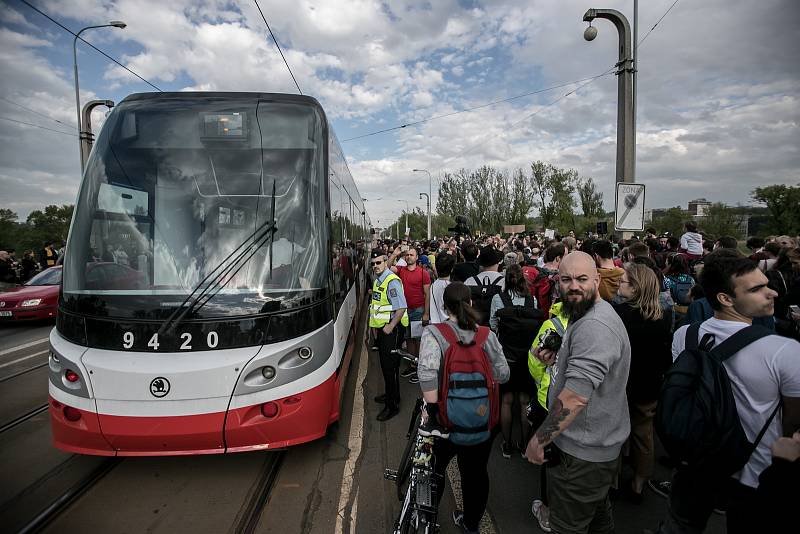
649, 328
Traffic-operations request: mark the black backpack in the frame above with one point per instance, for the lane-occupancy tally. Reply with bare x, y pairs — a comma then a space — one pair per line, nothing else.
517, 326
481, 296
696, 417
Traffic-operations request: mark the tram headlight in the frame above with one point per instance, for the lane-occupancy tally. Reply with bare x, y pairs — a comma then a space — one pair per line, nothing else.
268, 372
304, 352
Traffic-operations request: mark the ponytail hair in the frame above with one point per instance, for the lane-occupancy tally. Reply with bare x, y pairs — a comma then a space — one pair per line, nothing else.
457, 299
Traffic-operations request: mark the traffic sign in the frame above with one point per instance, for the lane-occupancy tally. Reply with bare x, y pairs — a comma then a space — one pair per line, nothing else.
629, 214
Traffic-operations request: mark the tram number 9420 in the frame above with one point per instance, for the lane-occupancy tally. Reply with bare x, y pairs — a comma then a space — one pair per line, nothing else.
212, 340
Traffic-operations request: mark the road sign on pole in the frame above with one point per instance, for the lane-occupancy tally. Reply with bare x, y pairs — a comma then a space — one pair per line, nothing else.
629, 214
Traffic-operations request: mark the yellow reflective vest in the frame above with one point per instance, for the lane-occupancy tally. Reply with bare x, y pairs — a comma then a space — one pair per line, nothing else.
539, 371
380, 310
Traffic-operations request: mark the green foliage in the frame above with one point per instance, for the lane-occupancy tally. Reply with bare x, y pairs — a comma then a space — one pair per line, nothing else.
52, 223
782, 203
590, 198
721, 220
671, 221
554, 190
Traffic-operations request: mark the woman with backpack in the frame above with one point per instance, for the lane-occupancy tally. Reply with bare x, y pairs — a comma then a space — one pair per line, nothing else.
460, 344
649, 328
515, 319
679, 283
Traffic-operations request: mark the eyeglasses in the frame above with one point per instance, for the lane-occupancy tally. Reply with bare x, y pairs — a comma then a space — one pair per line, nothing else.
376, 262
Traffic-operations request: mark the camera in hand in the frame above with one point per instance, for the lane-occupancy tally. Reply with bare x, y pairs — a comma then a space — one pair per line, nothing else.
550, 341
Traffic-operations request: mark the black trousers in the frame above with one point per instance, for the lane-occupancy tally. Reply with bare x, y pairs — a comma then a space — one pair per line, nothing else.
693, 497
472, 462
390, 363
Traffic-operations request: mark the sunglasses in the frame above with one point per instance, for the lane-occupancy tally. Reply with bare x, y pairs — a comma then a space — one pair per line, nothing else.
376, 262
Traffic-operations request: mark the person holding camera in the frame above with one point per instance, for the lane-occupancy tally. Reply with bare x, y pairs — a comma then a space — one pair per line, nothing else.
587, 421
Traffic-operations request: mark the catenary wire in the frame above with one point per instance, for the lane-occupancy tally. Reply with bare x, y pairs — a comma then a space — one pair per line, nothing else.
486, 105
279, 47
37, 112
657, 23
38, 126
54, 21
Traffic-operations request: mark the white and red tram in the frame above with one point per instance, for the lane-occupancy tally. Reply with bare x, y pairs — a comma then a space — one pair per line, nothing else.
214, 269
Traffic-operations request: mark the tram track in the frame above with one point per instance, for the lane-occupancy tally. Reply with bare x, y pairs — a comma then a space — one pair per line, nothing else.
22, 418
62, 502
22, 372
251, 514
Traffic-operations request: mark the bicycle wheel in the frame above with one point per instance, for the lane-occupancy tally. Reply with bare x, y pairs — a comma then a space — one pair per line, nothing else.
404, 469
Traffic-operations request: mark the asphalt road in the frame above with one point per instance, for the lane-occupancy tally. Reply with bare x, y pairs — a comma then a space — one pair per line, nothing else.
332, 485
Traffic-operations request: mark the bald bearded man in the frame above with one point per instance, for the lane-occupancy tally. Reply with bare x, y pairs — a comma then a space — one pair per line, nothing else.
587, 420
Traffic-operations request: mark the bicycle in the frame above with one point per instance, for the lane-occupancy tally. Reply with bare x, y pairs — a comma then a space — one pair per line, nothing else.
416, 473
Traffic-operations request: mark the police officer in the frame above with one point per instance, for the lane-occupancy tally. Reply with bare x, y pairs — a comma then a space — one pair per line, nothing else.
388, 316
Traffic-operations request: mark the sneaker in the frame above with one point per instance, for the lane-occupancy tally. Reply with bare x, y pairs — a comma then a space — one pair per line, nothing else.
660, 487
413, 379
458, 519
407, 372
505, 448
431, 428
542, 515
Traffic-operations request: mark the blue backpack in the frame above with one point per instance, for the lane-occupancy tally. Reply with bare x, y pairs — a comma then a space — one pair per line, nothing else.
469, 399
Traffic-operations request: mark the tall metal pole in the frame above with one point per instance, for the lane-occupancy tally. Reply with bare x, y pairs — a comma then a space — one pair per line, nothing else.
81, 133
430, 194
428, 197
625, 123
635, 76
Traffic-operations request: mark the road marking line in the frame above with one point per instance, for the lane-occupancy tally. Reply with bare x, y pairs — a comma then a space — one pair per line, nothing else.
23, 359
354, 446
24, 346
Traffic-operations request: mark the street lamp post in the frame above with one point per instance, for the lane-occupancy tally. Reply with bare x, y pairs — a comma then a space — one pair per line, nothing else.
626, 136
113, 23
430, 192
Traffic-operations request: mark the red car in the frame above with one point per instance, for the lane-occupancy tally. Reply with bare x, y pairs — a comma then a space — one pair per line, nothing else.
36, 300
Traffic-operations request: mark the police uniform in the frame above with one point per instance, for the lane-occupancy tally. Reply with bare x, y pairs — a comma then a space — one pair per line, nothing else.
387, 297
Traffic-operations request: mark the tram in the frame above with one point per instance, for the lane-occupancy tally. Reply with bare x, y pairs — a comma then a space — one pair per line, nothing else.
215, 266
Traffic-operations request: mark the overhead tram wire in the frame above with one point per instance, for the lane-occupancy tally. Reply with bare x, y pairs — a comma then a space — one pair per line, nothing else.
54, 21
38, 126
657, 23
279, 47
36, 112
481, 106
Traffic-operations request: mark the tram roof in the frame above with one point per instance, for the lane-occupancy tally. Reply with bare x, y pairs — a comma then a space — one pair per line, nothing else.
167, 95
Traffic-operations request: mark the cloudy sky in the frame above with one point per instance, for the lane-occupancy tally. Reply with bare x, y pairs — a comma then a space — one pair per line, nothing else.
718, 86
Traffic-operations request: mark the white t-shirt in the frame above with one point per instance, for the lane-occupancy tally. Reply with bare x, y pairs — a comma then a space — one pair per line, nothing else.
438, 313
760, 374
692, 243
486, 278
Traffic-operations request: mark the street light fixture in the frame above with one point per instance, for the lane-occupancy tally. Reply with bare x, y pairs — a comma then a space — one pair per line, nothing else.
626, 135
115, 24
430, 192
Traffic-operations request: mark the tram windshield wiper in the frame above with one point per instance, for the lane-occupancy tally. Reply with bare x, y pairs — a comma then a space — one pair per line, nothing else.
223, 273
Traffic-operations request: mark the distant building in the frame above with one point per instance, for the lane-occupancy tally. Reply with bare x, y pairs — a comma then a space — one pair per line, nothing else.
698, 207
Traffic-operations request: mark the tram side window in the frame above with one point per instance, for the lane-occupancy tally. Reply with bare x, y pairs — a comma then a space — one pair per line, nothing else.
338, 222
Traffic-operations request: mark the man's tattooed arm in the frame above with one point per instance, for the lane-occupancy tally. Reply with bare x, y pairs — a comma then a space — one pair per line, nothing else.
564, 410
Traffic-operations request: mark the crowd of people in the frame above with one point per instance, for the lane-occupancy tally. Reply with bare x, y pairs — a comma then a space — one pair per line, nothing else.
14, 270
579, 335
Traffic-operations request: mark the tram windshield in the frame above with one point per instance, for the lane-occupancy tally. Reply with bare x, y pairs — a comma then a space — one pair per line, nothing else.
175, 200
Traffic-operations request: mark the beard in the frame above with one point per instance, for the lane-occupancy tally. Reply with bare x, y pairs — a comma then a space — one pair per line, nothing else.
575, 309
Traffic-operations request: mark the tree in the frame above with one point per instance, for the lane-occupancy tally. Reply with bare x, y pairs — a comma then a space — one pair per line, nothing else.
553, 190
721, 220
591, 199
671, 221
782, 202
453, 194
8, 229
521, 199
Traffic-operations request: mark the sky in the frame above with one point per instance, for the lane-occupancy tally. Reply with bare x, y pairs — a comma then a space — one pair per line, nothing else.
718, 89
